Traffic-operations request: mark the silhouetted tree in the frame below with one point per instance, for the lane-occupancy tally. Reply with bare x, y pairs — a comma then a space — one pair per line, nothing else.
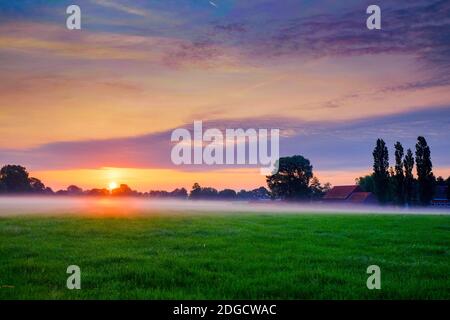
37, 186
15, 179
2, 187
158, 194
317, 190
196, 191
424, 168
207, 193
243, 195
292, 179
227, 194
179, 193
380, 171
366, 183
399, 177
327, 187
408, 164
98, 192
448, 188
260, 193
48, 191
123, 190
74, 190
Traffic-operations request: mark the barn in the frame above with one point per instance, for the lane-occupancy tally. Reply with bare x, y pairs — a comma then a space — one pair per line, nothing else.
440, 197
349, 194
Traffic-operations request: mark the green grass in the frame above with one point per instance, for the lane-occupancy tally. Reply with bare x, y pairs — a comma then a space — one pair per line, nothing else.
235, 256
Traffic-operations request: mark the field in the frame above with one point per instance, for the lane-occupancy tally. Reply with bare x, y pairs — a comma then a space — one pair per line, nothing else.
235, 256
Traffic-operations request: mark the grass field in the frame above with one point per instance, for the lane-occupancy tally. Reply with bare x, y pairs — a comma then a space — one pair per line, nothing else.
237, 256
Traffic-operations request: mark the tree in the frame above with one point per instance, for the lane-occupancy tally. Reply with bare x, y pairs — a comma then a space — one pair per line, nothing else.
424, 168
227, 194
179, 193
196, 191
15, 179
366, 183
48, 190
74, 190
399, 177
260, 193
123, 190
408, 164
380, 171
37, 186
208, 193
98, 192
326, 187
2, 187
440, 181
292, 179
317, 190
448, 188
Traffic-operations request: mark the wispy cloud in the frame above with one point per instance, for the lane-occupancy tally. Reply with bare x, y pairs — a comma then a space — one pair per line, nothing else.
121, 7
330, 145
420, 29
170, 52
261, 31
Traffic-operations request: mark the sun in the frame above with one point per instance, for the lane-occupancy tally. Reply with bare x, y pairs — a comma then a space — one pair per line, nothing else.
112, 186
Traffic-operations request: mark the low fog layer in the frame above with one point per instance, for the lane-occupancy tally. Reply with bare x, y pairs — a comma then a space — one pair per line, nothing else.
13, 206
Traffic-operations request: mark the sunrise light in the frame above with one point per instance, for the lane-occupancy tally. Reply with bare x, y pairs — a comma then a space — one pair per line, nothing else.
112, 186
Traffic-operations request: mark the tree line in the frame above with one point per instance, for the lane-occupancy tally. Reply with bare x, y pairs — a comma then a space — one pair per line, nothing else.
15, 179
293, 181
397, 184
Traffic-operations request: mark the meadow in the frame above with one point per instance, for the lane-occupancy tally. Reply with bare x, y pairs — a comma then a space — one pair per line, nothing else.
226, 256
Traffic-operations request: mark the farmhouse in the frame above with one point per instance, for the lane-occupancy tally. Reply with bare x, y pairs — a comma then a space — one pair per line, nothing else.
349, 194
440, 197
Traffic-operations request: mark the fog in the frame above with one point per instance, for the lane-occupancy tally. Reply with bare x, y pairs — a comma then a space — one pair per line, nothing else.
104, 207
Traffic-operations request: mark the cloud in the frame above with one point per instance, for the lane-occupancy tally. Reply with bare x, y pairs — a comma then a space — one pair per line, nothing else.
257, 33
27, 37
122, 7
420, 29
406, 29
329, 145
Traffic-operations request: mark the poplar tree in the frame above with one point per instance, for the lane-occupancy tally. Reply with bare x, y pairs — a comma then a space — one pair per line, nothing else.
380, 171
399, 177
424, 168
408, 164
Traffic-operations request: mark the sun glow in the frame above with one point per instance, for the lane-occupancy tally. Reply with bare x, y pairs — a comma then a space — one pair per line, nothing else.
112, 186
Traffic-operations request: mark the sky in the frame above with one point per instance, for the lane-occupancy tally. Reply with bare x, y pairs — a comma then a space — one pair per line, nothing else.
97, 105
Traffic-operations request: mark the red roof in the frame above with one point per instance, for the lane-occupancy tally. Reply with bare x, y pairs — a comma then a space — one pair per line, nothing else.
360, 196
341, 192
